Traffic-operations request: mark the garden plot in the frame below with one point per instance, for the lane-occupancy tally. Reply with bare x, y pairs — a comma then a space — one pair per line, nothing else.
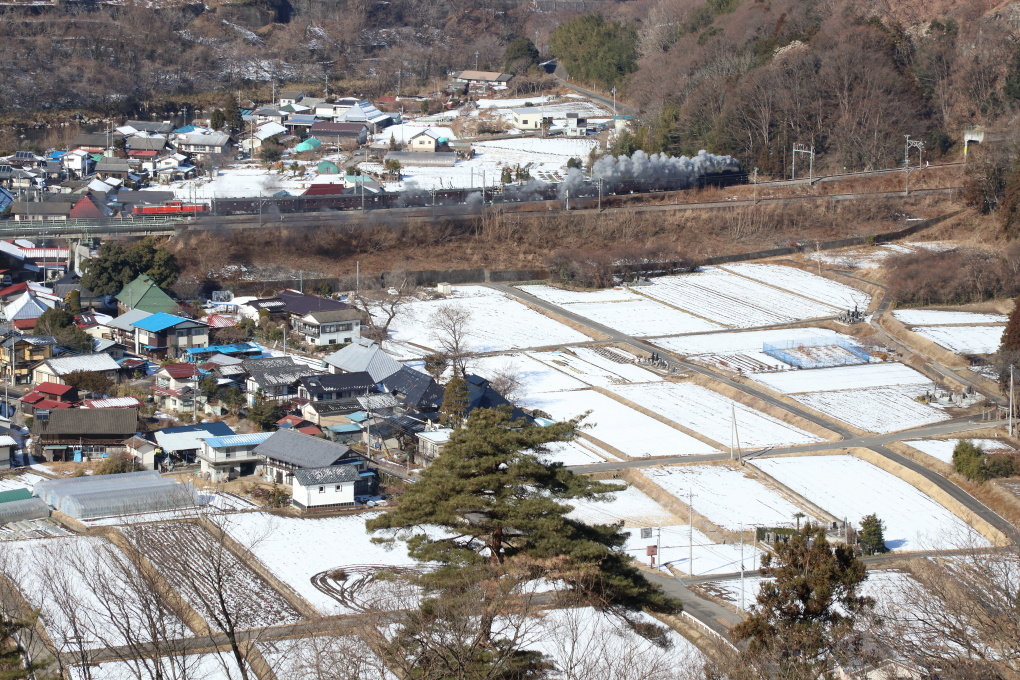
221, 666
851, 488
577, 452
250, 179
327, 656
559, 296
619, 426
708, 413
734, 301
727, 497
846, 378
593, 368
741, 351
875, 409
859, 258
934, 317
89, 594
201, 569
964, 339
587, 643
805, 283
943, 448
497, 323
325, 546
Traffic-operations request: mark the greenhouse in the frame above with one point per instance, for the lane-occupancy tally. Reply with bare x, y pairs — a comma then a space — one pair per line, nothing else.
167, 497
18, 511
122, 494
50, 490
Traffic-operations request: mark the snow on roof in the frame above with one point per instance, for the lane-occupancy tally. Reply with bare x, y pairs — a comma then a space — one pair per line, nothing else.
86, 362
113, 402
268, 130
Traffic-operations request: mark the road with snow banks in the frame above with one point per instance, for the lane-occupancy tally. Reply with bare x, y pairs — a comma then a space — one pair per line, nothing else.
848, 439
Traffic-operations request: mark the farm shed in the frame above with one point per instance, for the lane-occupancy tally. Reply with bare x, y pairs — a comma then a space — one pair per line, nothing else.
123, 494
325, 487
439, 159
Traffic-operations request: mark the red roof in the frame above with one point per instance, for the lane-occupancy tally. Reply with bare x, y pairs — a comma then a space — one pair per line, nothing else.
16, 288
86, 208
143, 153
217, 321
24, 324
178, 371
50, 404
53, 388
310, 429
324, 190
32, 397
293, 421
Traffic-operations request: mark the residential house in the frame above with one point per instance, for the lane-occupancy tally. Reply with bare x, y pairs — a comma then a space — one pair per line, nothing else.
95, 142
290, 97
77, 163
270, 114
362, 111
205, 144
334, 386
56, 369
145, 453
531, 118
300, 424
183, 444
325, 487
167, 336
152, 127
114, 167
19, 354
120, 328
58, 434
23, 311
300, 121
427, 141
345, 135
231, 456
291, 304
47, 396
176, 387
414, 390
334, 327
145, 147
363, 355
287, 451
482, 395
89, 207
431, 444
577, 126
53, 209
480, 82
144, 294
275, 378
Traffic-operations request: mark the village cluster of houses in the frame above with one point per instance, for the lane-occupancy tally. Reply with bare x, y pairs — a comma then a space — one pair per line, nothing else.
356, 394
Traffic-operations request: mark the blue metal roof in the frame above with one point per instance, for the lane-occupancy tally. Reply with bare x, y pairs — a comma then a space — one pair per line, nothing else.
346, 427
358, 416
236, 348
253, 439
158, 322
218, 428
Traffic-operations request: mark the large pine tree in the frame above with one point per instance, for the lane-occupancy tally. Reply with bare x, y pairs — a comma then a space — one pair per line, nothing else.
502, 511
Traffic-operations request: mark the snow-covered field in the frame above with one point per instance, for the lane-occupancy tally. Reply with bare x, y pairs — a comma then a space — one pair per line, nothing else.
943, 448
87, 590
545, 159
932, 317
630, 505
727, 497
277, 540
711, 414
497, 323
586, 643
619, 426
577, 452
734, 301
845, 378
25, 480
536, 376
593, 368
250, 179
558, 296
744, 342
875, 409
206, 666
964, 339
401, 134
804, 283
860, 258
852, 488
643, 318
709, 557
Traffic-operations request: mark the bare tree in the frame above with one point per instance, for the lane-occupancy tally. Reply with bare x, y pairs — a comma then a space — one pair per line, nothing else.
451, 329
508, 381
383, 304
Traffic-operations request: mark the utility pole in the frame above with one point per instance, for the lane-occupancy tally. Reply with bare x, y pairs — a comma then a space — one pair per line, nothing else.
690, 533
658, 547
741, 566
614, 102
357, 279
476, 61
755, 181
1011, 400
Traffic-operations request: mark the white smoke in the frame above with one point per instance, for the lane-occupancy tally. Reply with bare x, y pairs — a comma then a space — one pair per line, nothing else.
660, 168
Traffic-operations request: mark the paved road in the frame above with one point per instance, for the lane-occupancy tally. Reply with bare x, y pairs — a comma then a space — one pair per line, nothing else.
713, 615
847, 437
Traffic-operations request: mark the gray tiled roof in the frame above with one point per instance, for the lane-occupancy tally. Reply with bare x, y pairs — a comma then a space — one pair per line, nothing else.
277, 371
334, 474
301, 450
364, 355
88, 421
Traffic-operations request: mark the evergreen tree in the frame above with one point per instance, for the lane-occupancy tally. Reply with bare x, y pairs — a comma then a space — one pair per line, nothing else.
506, 176
265, 413
969, 461
89, 382
13, 663
217, 119
73, 301
115, 266
593, 49
505, 523
455, 402
872, 535
807, 616
521, 54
